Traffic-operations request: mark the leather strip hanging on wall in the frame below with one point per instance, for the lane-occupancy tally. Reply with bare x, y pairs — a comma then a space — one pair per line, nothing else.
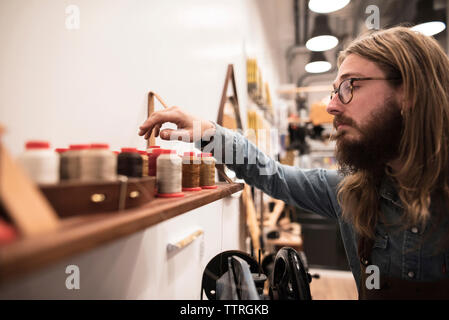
247, 200
234, 101
151, 95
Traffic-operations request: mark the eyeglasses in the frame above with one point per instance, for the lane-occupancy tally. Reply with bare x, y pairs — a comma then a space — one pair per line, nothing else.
346, 89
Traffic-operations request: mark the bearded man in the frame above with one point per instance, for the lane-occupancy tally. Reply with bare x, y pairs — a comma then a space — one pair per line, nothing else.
390, 194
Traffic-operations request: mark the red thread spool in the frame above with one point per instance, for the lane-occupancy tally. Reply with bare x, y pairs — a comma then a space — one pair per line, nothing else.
151, 148
152, 161
61, 150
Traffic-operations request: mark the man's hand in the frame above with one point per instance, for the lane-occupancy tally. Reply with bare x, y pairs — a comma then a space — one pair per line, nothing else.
188, 125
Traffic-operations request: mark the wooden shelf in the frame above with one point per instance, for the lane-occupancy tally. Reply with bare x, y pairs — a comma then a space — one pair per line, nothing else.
81, 233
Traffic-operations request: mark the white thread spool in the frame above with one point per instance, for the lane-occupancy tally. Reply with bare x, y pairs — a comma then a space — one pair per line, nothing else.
40, 162
98, 163
169, 174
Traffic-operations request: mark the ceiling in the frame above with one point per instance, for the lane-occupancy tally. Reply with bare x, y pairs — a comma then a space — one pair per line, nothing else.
346, 23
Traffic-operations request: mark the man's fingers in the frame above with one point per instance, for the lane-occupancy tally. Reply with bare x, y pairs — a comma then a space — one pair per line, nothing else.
173, 134
156, 129
157, 118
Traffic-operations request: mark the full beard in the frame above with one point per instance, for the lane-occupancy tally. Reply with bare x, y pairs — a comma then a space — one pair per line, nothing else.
378, 145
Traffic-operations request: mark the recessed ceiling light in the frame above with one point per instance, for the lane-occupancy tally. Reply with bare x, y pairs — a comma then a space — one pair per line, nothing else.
322, 43
318, 63
318, 67
430, 28
326, 6
322, 38
428, 21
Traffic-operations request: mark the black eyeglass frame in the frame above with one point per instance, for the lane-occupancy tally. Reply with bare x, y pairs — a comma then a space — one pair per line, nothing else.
351, 81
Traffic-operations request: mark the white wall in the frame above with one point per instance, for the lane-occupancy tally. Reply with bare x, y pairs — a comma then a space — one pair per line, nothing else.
91, 84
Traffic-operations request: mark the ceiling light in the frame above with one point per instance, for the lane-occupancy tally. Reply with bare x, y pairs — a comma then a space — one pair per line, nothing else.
318, 63
322, 43
430, 28
326, 6
428, 21
322, 38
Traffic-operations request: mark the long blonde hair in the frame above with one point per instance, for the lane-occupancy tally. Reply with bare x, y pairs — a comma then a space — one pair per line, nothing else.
424, 147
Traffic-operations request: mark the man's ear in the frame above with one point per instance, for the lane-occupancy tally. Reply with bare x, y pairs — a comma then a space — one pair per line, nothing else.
401, 99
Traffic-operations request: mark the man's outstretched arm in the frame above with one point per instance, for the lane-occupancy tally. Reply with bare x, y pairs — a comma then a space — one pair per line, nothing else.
312, 190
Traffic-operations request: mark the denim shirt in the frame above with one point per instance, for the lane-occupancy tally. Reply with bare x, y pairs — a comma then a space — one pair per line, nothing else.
401, 253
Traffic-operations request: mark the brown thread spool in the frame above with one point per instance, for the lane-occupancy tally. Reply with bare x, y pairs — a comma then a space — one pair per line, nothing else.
63, 175
191, 172
207, 171
169, 174
74, 155
144, 156
98, 163
129, 163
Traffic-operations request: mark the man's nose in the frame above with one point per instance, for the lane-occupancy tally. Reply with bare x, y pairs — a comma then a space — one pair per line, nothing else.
335, 107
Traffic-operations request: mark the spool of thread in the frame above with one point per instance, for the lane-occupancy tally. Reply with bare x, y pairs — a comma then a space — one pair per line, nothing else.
191, 172
73, 160
98, 164
169, 174
144, 156
207, 171
129, 163
62, 163
150, 148
40, 163
152, 161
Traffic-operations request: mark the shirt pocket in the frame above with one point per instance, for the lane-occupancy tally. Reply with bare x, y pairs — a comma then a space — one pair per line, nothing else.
435, 267
380, 255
